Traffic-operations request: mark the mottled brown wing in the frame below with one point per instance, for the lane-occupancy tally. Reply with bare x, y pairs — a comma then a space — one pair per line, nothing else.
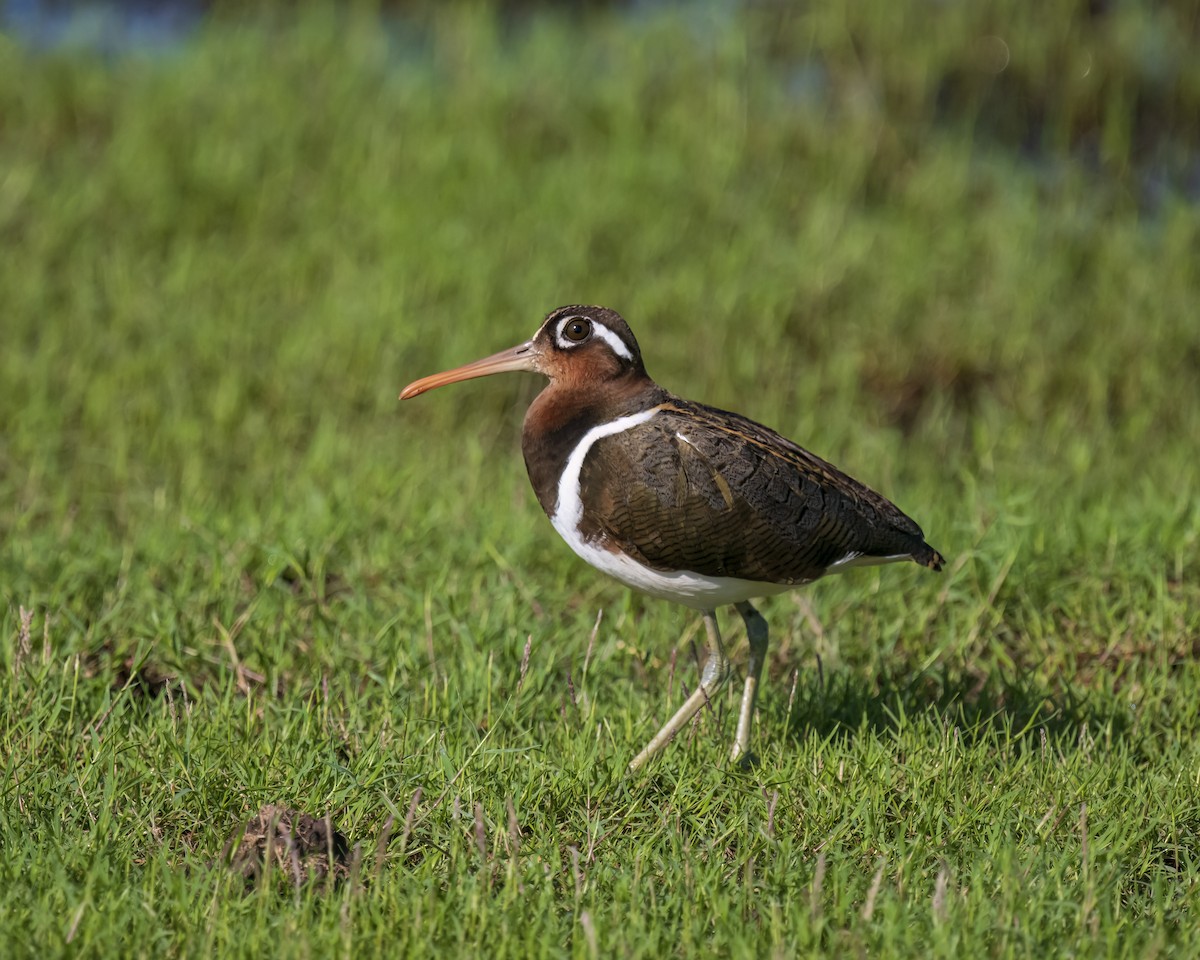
700, 489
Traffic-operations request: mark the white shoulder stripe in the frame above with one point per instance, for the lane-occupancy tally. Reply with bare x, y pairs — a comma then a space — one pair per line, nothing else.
696, 590
569, 509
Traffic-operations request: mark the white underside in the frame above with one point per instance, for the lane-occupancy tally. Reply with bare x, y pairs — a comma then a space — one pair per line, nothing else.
696, 590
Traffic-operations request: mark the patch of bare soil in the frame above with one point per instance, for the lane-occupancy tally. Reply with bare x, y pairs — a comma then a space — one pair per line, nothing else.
300, 846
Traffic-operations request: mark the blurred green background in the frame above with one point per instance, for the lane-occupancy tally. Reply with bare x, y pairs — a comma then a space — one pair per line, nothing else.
951, 247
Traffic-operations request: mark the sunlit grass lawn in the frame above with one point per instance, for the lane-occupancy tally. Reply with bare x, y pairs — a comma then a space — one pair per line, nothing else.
252, 577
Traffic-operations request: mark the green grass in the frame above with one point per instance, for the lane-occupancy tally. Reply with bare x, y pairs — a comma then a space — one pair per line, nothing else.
254, 577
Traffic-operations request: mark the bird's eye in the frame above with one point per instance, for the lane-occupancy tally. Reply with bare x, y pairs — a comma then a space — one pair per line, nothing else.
577, 329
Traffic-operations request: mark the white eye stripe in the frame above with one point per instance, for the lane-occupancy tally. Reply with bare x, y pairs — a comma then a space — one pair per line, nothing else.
615, 343
562, 325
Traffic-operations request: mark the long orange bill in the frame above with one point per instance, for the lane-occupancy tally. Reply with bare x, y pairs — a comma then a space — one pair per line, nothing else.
517, 358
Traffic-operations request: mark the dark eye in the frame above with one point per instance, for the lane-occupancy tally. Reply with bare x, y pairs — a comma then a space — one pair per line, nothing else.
577, 329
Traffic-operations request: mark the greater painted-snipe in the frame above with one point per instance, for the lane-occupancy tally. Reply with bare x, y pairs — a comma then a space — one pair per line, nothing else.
680, 500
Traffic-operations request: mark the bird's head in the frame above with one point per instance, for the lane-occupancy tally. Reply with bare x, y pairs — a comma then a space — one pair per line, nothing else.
575, 344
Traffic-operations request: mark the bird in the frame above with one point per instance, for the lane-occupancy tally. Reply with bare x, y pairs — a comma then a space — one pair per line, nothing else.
683, 501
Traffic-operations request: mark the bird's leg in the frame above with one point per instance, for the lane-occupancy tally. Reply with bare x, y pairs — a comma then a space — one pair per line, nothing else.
756, 634
716, 670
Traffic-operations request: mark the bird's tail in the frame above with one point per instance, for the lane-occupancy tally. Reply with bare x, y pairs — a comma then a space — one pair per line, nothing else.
926, 556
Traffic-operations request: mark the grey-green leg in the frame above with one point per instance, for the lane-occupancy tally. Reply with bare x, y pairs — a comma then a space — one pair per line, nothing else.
756, 634
716, 670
